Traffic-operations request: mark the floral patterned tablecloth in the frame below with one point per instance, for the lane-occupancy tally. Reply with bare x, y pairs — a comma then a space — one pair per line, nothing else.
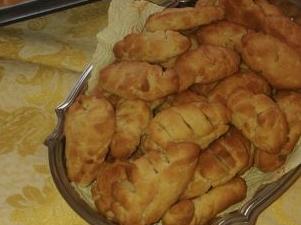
40, 60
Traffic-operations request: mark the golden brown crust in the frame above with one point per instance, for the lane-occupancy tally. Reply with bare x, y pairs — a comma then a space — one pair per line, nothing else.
263, 16
202, 3
268, 162
288, 8
279, 63
285, 29
89, 127
224, 34
206, 64
203, 89
290, 104
197, 122
170, 63
248, 80
187, 97
260, 120
249, 13
140, 191
152, 47
138, 80
180, 99
132, 118
268, 8
183, 18
219, 163
279, 25
244, 12
207, 206
102, 191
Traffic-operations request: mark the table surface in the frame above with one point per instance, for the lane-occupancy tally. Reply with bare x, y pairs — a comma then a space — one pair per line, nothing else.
40, 60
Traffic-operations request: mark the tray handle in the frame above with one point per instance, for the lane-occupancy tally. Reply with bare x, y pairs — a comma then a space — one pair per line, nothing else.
64, 106
264, 197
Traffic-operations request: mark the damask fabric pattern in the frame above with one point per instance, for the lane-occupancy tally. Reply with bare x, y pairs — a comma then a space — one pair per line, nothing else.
40, 60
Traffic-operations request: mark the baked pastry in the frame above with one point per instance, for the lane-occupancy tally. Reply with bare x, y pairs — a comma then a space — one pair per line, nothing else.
138, 80
269, 9
263, 16
267, 162
187, 97
288, 8
139, 192
249, 13
247, 80
180, 99
89, 126
290, 104
199, 211
203, 89
280, 64
183, 18
196, 122
220, 162
206, 64
152, 47
170, 63
202, 3
132, 118
224, 34
285, 29
260, 120
244, 12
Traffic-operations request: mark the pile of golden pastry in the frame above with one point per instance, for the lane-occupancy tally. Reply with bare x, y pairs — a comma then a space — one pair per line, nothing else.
189, 105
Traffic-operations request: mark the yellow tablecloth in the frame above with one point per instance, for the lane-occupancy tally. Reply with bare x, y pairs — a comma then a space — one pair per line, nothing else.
40, 60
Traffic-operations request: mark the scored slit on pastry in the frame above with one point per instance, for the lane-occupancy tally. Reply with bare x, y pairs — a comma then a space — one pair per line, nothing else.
149, 197
204, 122
221, 161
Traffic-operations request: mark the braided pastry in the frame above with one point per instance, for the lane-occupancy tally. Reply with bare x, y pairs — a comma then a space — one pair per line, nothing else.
139, 192
196, 122
220, 162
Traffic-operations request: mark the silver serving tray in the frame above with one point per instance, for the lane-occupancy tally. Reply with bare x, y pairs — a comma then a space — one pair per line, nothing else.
56, 143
